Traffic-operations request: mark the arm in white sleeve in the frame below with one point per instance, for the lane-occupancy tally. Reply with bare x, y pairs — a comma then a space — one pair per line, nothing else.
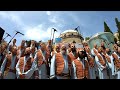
33, 67
17, 68
30, 72
3, 65
35, 60
35, 57
113, 66
74, 76
92, 51
98, 63
52, 66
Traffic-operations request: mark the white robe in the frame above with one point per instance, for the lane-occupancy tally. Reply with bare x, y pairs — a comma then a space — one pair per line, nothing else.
74, 74
117, 73
92, 51
73, 71
28, 74
95, 69
10, 75
102, 72
112, 68
42, 69
92, 71
52, 68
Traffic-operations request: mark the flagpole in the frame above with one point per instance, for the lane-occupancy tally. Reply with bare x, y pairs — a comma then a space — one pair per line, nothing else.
51, 35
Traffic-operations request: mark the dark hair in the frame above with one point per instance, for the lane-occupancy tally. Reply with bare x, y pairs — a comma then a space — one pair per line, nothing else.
84, 53
103, 47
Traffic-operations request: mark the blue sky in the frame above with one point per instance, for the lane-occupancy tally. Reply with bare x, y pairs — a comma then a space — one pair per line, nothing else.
37, 24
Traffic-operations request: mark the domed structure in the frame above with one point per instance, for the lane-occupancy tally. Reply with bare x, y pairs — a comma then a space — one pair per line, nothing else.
70, 36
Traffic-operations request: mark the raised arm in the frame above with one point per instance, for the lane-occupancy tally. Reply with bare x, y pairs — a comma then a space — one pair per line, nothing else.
52, 67
73, 71
101, 67
3, 65
17, 69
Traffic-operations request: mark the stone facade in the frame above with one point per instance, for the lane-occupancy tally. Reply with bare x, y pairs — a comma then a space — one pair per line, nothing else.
69, 36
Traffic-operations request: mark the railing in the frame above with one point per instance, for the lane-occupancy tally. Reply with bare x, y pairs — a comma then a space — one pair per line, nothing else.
72, 36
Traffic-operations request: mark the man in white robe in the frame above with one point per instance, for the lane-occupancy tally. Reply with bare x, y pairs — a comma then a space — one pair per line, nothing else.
91, 62
59, 68
8, 70
41, 58
80, 68
26, 66
21, 49
101, 64
110, 62
116, 58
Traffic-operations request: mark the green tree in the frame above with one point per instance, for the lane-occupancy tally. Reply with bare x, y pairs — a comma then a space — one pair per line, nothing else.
118, 26
106, 28
87, 38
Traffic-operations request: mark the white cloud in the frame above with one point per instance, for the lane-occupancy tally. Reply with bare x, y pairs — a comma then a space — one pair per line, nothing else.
53, 19
48, 13
12, 16
57, 20
39, 33
36, 32
4, 15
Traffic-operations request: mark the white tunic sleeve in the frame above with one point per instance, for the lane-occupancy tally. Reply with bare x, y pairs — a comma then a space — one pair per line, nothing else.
13, 62
113, 66
30, 72
35, 57
17, 68
74, 76
98, 63
35, 60
92, 51
3, 65
52, 66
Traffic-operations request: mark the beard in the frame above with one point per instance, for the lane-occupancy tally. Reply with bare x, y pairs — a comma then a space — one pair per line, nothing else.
27, 54
109, 52
80, 56
73, 49
63, 52
14, 53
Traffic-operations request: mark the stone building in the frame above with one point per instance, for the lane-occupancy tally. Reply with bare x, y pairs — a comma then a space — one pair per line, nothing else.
70, 36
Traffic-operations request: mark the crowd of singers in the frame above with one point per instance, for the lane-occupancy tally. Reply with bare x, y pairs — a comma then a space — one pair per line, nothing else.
46, 61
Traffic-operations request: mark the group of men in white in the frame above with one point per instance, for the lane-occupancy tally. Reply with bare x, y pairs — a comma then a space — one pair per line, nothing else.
59, 62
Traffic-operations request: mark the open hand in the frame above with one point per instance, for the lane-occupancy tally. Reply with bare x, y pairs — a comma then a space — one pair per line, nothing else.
22, 76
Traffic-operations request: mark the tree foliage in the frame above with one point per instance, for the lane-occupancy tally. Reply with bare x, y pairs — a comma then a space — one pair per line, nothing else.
106, 28
118, 26
87, 38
